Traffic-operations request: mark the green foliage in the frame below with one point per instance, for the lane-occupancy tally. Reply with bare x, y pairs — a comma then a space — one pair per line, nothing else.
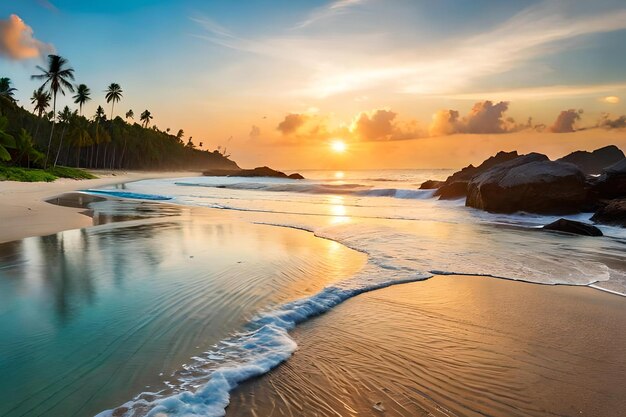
26, 149
6, 141
40, 175
25, 174
73, 173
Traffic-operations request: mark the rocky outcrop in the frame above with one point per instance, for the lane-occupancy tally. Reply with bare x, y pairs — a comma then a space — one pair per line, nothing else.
594, 162
573, 227
612, 213
256, 172
612, 182
529, 183
431, 185
456, 184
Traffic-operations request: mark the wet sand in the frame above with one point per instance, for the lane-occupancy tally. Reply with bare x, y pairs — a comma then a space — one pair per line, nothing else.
25, 213
453, 346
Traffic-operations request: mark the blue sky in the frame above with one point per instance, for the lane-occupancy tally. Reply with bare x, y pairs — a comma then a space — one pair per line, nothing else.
216, 68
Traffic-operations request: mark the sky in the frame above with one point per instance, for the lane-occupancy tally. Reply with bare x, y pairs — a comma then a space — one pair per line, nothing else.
403, 83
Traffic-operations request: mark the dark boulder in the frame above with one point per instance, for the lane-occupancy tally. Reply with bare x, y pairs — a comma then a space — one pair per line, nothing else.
453, 190
613, 212
455, 185
594, 162
573, 227
529, 183
256, 172
431, 184
612, 182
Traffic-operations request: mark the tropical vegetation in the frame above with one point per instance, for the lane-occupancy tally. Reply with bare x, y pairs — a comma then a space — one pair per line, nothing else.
42, 137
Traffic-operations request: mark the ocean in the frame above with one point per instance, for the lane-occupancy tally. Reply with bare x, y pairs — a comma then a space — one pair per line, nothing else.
228, 330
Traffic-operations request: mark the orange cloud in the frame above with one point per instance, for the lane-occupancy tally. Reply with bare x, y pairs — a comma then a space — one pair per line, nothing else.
617, 123
484, 117
17, 41
566, 121
382, 125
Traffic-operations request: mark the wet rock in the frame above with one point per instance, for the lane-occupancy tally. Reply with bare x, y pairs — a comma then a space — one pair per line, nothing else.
431, 184
530, 183
612, 213
594, 162
573, 227
612, 182
455, 185
256, 172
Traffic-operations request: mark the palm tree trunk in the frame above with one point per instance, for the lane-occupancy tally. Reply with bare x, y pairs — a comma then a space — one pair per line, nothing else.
54, 111
60, 144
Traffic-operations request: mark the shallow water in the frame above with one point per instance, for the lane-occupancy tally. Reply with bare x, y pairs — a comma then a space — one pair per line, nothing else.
91, 317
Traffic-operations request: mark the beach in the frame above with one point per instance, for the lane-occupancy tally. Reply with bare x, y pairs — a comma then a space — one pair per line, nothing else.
453, 346
179, 288
25, 212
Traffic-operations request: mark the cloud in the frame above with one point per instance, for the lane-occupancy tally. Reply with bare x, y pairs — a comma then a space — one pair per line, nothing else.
607, 123
292, 123
542, 93
484, 117
48, 5
255, 132
565, 121
375, 125
336, 8
382, 125
17, 41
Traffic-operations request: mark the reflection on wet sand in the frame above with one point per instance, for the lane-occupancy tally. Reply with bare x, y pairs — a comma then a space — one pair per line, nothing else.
90, 317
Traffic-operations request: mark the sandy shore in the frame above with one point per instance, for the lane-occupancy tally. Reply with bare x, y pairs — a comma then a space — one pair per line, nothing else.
25, 213
453, 346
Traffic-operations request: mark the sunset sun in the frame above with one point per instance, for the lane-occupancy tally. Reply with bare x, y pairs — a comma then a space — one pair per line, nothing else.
338, 146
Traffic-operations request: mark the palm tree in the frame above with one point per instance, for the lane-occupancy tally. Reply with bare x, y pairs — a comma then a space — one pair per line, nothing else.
6, 140
41, 100
56, 76
98, 117
64, 117
83, 95
180, 135
113, 94
130, 114
145, 118
6, 91
25, 147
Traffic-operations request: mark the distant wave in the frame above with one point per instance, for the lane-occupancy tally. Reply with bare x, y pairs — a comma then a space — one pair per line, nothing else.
126, 194
309, 188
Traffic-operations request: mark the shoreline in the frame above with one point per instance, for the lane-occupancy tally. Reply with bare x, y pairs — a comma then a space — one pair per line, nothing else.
451, 346
25, 212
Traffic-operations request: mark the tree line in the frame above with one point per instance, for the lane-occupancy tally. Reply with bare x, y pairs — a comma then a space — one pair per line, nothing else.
47, 138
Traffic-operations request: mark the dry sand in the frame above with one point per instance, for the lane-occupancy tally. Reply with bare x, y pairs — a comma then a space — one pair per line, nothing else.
450, 347
24, 211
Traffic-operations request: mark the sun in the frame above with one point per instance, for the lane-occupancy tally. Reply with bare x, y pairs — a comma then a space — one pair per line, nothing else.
338, 146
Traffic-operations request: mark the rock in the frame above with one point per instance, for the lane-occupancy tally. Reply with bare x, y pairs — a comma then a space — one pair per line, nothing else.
612, 213
595, 162
612, 182
456, 184
256, 172
454, 190
431, 184
529, 183
573, 227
